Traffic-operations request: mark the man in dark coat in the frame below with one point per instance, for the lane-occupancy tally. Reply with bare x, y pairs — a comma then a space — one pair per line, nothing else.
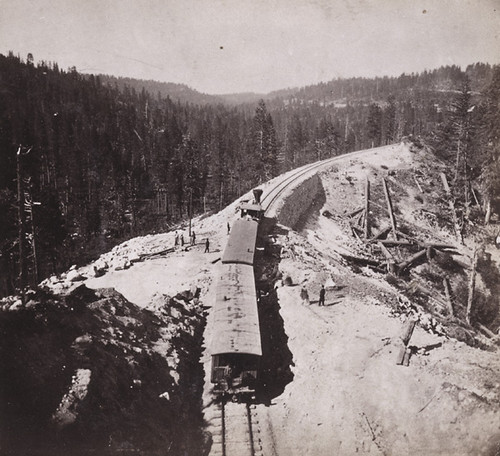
322, 296
207, 246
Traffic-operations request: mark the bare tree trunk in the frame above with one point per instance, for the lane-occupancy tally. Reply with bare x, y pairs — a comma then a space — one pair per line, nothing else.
389, 208
472, 284
487, 215
367, 208
20, 213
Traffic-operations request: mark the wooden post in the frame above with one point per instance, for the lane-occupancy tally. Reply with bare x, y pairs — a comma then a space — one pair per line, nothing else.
367, 208
447, 291
404, 354
389, 208
472, 284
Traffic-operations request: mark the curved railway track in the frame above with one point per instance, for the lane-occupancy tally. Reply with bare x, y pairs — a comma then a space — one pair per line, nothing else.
274, 193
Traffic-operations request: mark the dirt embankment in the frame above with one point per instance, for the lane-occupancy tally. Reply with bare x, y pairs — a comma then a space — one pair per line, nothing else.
298, 200
91, 373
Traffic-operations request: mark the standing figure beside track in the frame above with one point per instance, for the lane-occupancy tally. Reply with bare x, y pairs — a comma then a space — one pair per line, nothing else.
322, 296
207, 246
304, 295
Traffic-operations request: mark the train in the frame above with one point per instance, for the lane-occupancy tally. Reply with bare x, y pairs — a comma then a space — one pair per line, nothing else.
236, 349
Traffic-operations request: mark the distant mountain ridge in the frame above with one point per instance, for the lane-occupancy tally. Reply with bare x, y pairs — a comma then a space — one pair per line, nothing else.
442, 79
174, 91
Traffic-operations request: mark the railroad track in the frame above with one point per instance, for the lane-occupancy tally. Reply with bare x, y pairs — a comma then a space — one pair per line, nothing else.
275, 192
238, 434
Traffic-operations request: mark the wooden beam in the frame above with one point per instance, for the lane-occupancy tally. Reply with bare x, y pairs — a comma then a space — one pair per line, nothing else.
389, 208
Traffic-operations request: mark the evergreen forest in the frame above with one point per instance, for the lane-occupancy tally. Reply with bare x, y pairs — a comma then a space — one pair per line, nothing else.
87, 161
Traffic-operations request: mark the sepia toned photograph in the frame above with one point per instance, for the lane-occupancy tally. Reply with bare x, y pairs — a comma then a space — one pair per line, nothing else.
250, 227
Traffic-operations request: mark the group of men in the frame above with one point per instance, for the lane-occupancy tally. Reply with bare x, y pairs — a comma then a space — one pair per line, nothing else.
179, 240
304, 295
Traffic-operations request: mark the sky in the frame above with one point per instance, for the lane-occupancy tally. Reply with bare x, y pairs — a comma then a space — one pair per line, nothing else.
229, 46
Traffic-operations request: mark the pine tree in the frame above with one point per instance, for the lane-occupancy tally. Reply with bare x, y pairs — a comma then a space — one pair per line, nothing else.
374, 125
264, 143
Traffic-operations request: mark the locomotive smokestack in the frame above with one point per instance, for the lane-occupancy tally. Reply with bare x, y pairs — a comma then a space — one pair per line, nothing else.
257, 193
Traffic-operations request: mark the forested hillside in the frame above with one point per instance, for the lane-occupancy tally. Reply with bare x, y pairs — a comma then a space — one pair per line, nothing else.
108, 160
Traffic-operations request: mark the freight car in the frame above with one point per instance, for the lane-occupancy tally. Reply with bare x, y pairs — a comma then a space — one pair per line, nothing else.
236, 346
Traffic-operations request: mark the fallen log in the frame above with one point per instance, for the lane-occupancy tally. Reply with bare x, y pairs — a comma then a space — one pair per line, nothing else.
359, 260
437, 246
418, 184
486, 331
433, 295
353, 213
161, 252
409, 261
381, 233
388, 255
393, 242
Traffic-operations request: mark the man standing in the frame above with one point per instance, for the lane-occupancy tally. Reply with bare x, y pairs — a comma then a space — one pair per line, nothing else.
322, 296
207, 246
304, 295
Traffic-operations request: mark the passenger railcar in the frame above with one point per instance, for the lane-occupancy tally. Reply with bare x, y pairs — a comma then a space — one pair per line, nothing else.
240, 247
236, 348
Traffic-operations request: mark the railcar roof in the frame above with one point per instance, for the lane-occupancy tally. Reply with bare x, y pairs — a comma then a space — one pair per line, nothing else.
236, 318
240, 246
